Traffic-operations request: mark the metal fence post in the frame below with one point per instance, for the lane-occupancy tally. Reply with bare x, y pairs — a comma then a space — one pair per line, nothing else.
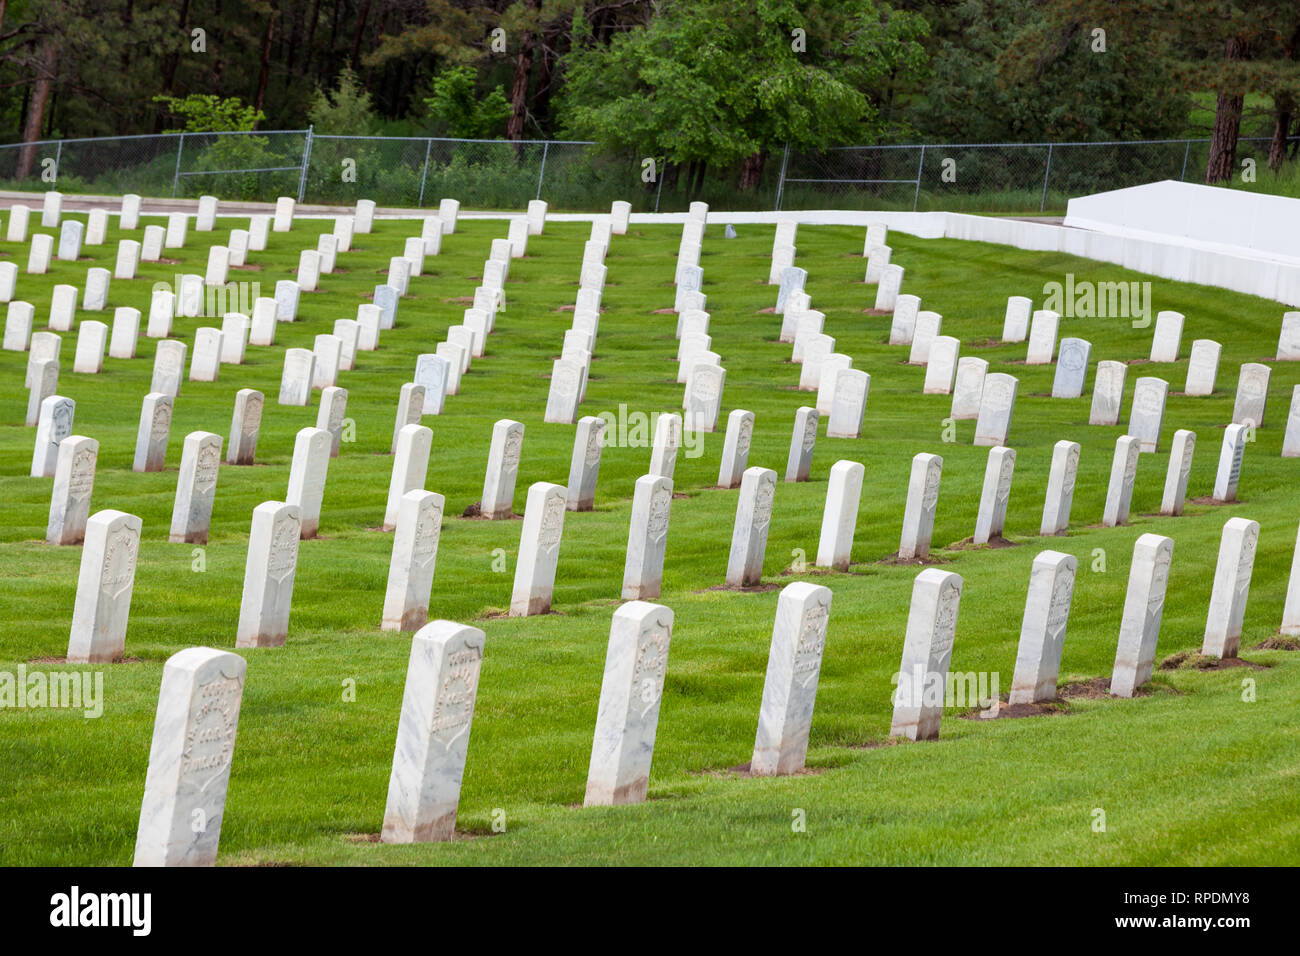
916, 197
1042, 205
1182, 177
176, 177
306, 158
780, 183
424, 175
542, 172
660, 188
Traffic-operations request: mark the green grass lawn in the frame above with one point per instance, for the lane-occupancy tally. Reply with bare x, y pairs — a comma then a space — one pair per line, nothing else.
1192, 773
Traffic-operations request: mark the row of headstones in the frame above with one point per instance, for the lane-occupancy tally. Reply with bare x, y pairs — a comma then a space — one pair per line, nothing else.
202, 690
71, 459
304, 369
936, 595
967, 378
570, 372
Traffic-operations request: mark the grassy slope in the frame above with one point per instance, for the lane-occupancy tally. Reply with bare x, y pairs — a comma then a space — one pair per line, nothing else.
1190, 774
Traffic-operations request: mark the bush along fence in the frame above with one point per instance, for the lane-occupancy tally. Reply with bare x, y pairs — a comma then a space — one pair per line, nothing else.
416, 172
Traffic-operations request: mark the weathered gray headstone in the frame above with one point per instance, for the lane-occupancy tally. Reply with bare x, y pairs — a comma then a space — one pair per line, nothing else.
1144, 604
749, 533
1015, 325
647, 538
287, 293
18, 326
1042, 629
631, 689
268, 575
1107, 393
1180, 466
1071, 368
1230, 455
997, 402
1203, 367
1252, 394
74, 480
433, 734
891, 282
1148, 412
927, 650
162, 310
588, 443
196, 488
539, 550
410, 468
331, 415
205, 360
104, 587
189, 759
840, 515
1119, 491
1060, 488
502, 469
244, 427
992, 515
922, 502
44, 382
92, 336
1042, 337
410, 409
415, 553
1167, 337
54, 423
803, 441
311, 459
790, 687
941, 365
704, 397
1291, 440
296, 379
735, 448
153, 433
925, 330
665, 444
1231, 588
127, 262
433, 372
968, 389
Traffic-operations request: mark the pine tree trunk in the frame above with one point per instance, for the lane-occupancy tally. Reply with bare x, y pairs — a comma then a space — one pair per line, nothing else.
1281, 126
519, 88
1227, 125
47, 63
751, 171
265, 75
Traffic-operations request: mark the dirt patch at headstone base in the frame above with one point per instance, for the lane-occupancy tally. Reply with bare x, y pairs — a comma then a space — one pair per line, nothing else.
1279, 642
1194, 660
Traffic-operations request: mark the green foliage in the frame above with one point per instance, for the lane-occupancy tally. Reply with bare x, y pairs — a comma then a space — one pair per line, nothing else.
209, 113
460, 112
723, 80
349, 112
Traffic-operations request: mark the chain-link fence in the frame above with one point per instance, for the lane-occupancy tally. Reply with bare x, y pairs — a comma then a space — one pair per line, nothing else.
1000, 177
1012, 178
